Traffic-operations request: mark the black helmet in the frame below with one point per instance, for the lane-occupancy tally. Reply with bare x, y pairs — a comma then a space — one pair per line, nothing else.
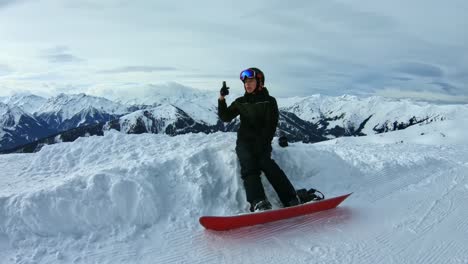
253, 72
259, 75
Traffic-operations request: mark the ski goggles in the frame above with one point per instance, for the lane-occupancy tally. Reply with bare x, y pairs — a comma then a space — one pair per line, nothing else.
248, 73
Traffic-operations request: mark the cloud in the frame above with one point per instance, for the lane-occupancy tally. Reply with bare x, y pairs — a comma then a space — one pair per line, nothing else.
45, 76
128, 69
447, 87
420, 69
332, 15
63, 58
304, 47
428, 96
143, 93
5, 70
213, 75
60, 54
4, 3
95, 5
404, 79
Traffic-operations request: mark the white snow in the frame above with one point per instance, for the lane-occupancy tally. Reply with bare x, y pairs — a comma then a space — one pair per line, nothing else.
199, 104
9, 113
3, 108
356, 109
27, 102
137, 198
202, 106
165, 114
68, 105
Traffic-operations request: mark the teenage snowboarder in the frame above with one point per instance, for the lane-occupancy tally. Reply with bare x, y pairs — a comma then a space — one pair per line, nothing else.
258, 120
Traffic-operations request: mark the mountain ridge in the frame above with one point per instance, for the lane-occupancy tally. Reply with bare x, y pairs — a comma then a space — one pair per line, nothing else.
307, 119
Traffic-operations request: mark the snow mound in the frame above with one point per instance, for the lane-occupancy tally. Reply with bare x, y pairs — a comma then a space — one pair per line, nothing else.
101, 183
121, 182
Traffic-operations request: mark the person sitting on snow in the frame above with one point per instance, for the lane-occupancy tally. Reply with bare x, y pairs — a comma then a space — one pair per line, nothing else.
258, 120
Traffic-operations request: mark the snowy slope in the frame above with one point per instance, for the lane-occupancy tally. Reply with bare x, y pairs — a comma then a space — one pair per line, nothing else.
9, 116
200, 105
376, 114
68, 111
309, 119
18, 127
68, 105
384, 114
27, 102
31, 117
164, 118
448, 132
137, 198
153, 120
3, 110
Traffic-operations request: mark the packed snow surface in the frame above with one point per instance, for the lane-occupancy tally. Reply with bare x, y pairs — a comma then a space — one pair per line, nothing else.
137, 199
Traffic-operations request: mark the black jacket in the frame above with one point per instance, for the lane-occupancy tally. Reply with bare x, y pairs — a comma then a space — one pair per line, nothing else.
258, 115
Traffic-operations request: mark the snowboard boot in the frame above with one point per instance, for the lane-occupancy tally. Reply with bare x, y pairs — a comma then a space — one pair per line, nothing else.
306, 196
295, 201
261, 206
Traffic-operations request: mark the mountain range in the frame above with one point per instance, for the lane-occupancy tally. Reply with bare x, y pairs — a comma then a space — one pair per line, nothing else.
29, 121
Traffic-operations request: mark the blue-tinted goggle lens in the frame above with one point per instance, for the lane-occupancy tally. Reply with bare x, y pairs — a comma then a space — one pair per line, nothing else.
247, 74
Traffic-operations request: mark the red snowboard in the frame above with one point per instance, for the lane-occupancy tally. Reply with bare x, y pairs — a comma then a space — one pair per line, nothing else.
222, 223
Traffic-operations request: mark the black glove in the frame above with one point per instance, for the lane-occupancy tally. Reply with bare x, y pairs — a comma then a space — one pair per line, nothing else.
224, 90
283, 141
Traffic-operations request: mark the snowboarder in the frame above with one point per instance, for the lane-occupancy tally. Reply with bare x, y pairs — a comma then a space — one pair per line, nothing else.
258, 120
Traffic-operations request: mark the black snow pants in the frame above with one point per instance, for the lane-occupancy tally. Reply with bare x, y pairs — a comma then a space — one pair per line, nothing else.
252, 163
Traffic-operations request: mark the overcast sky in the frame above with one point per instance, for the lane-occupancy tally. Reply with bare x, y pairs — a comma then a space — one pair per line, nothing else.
398, 48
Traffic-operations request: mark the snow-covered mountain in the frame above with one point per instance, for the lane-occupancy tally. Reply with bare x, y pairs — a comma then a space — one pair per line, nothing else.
351, 115
47, 117
308, 119
200, 105
65, 112
29, 103
162, 119
18, 127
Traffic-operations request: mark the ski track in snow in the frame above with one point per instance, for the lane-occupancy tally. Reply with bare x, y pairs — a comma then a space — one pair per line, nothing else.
408, 204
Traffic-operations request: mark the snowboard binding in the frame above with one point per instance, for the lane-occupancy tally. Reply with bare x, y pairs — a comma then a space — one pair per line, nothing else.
306, 196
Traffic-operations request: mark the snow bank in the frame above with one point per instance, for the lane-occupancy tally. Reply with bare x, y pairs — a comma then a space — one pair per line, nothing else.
118, 182
106, 183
